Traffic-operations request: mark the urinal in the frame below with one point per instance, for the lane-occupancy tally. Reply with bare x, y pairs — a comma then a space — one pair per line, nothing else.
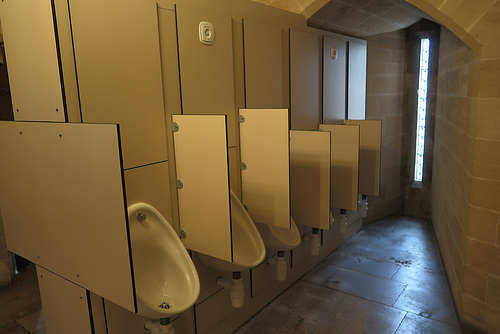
280, 238
166, 280
248, 246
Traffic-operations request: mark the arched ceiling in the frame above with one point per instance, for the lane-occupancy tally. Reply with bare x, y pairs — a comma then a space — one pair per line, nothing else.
354, 17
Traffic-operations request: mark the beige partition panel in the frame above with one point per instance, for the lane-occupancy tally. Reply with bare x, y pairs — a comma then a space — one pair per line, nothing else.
263, 65
265, 151
63, 206
305, 79
150, 184
356, 87
344, 165
65, 305
119, 73
334, 79
201, 161
30, 47
207, 78
310, 178
370, 142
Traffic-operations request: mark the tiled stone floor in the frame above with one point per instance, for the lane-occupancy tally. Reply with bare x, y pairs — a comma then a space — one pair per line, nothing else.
20, 305
386, 279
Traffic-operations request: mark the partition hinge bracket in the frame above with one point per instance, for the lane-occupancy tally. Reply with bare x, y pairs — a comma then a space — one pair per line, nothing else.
179, 184
243, 166
241, 119
175, 126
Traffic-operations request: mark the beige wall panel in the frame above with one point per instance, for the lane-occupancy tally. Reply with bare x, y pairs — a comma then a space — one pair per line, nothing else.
263, 65
67, 61
207, 77
201, 160
265, 183
285, 42
98, 313
264, 275
334, 80
171, 93
30, 47
169, 62
302, 252
240, 9
310, 178
239, 68
370, 141
356, 86
150, 184
62, 203
345, 165
65, 305
216, 308
305, 77
208, 278
234, 171
119, 73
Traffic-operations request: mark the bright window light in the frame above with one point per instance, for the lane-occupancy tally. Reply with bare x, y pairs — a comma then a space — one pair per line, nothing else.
421, 108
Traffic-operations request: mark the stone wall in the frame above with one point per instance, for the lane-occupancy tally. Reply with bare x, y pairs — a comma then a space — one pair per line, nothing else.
465, 182
384, 100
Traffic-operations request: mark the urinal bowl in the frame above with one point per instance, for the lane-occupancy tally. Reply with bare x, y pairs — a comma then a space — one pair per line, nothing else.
280, 238
248, 246
166, 279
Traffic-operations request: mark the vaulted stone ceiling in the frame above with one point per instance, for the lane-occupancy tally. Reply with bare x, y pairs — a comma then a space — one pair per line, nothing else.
354, 17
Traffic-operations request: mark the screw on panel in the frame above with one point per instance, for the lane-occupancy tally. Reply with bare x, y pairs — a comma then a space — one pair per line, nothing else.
243, 166
175, 126
57, 109
179, 184
241, 119
182, 234
60, 135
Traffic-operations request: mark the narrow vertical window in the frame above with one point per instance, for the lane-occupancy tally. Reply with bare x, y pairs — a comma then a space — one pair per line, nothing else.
421, 108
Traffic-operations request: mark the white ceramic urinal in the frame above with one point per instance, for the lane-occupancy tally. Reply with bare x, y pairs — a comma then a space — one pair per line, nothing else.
166, 279
280, 238
248, 247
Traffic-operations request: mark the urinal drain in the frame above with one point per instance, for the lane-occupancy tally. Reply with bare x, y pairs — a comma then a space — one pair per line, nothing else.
165, 306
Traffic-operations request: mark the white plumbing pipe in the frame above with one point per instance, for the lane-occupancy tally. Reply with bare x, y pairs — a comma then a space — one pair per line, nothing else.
237, 290
314, 244
342, 221
157, 328
280, 262
363, 205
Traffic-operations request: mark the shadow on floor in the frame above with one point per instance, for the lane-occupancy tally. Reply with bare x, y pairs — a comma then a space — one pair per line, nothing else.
388, 278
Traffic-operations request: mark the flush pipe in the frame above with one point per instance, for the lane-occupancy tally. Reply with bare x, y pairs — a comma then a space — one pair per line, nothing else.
364, 205
280, 262
236, 286
164, 326
313, 241
342, 221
